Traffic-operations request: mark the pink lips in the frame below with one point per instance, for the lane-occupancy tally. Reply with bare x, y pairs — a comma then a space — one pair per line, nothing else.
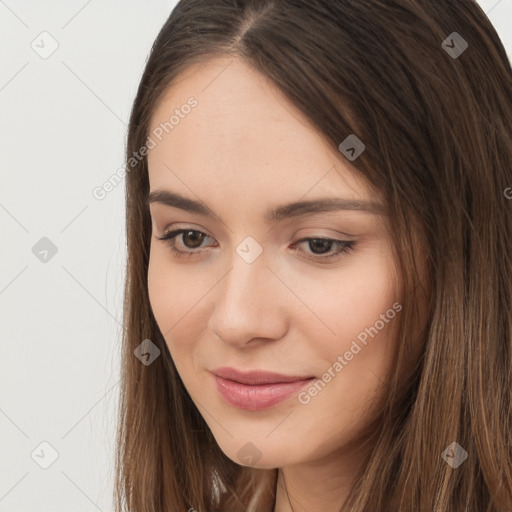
256, 390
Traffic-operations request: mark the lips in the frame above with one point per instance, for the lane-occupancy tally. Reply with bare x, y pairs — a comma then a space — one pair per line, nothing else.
257, 390
257, 377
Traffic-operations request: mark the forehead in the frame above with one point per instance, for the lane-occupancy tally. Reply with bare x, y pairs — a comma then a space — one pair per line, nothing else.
242, 140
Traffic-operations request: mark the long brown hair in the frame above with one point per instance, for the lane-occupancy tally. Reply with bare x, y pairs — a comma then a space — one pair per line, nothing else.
437, 127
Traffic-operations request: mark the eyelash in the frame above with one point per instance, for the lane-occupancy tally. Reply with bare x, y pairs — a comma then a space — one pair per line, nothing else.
169, 239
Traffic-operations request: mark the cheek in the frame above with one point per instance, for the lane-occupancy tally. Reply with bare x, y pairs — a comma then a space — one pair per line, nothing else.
171, 291
361, 310
159, 291
353, 300
175, 297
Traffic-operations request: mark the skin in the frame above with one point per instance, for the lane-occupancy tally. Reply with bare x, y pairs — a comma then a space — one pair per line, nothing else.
241, 151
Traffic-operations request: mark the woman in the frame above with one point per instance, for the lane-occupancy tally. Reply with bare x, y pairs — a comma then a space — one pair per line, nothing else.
318, 300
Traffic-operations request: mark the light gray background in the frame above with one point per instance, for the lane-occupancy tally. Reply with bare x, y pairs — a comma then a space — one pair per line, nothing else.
62, 133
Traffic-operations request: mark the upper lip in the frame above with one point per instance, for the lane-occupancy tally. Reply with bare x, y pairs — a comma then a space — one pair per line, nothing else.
256, 377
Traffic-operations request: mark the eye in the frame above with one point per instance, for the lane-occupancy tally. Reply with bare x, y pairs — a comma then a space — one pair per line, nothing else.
192, 239
193, 236
326, 244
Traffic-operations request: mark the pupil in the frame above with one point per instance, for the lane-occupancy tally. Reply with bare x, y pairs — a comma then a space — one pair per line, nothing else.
320, 243
195, 234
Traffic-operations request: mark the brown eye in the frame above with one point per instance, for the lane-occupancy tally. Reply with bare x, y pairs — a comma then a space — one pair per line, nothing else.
322, 246
191, 239
194, 237
319, 248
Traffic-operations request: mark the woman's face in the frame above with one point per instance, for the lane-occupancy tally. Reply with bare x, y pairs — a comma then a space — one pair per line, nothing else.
251, 292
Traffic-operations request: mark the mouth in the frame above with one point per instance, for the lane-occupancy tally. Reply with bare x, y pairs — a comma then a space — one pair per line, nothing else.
260, 390
257, 377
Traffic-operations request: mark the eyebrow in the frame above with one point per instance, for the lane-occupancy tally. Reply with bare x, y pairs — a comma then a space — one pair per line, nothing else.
295, 209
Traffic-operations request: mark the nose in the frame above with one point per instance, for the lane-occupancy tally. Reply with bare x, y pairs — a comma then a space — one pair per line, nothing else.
249, 304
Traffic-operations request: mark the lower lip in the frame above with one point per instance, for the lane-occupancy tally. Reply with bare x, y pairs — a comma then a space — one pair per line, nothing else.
256, 398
